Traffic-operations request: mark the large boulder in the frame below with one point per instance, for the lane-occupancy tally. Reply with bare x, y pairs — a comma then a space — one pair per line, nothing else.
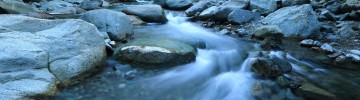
148, 13
116, 24
40, 54
263, 6
298, 21
151, 53
243, 16
310, 91
270, 67
16, 7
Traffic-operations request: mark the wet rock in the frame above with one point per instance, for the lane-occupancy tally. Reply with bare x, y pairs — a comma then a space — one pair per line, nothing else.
295, 21
117, 25
241, 32
265, 67
58, 7
148, 13
353, 16
178, 4
286, 3
16, 7
154, 53
310, 91
243, 16
269, 31
225, 32
283, 64
356, 52
326, 15
350, 5
354, 58
327, 48
263, 7
340, 59
310, 43
136, 20
43, 53
333, 6
198, 7
282, 81
335, 55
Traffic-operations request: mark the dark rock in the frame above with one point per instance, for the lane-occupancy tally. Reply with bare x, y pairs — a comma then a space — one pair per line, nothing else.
148, 13
154, 53
326, 15
90, 5
298, 21
310, 91
286, 3
350, 5
223, 11
116, 24
282, 81
267, 68
243, 16
263, 7
178, 4
333, 6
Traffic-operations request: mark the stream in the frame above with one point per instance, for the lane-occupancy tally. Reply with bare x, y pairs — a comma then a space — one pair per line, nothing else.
221, 71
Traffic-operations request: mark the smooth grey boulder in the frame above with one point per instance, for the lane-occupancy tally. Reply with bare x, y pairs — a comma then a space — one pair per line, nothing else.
223, 11
155, 53
295, 21
58, 7
116, 24
269, 31
198, 7
263, 7
148, 13
178, 4
243, 16
68, 49
16, 7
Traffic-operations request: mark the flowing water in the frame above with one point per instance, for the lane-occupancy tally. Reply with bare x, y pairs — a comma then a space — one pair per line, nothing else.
221, 70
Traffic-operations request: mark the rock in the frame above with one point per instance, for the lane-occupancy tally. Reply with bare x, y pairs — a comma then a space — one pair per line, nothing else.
354, 58
353, 16
350, 5
340, 59
148, 13
356, 52
335, 55
333, 6
263, 7
116, 24
265, 67
154, 53
223, 11
283, 64
90, 5
243, 16
310, 43
282, 81
326, 15
295, 21
347, 29
43, 53
75, 1
327, 48
310, 91
207, 13
272, 31
286, 3
198, 7
136, 20
160, 2
58, 7
225, 32
178, 4
16, 7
